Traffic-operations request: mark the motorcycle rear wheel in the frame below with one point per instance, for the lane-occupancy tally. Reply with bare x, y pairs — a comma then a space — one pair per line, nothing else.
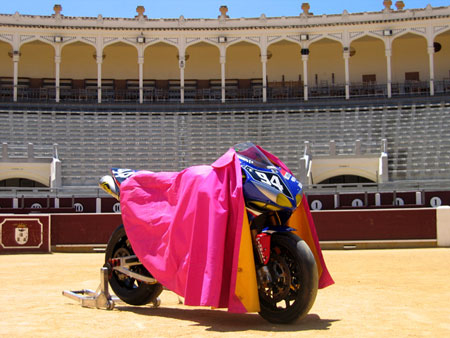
128, 289
293, 289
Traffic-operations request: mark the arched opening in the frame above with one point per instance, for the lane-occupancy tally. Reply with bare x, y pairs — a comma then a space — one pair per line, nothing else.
284, 70
21, 182
442, 62
202, 72
6, 63
203, 62
120, 61
78, 72
36, 71
367, 67
120, 72
6, 71
326, 68
243, 71
161, 72
346, 179
410, 65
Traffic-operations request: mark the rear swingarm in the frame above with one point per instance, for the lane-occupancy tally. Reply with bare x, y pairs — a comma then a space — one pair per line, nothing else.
123, 265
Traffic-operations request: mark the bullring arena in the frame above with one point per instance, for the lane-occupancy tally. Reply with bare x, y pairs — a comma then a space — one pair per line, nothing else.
380, 293
356, 104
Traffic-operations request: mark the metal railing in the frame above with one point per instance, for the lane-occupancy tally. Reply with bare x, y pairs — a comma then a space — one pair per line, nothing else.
316, 189
403, 186
29, 152
232, 94
78, 191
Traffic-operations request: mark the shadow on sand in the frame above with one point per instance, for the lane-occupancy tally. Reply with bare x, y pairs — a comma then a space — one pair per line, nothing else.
222, 321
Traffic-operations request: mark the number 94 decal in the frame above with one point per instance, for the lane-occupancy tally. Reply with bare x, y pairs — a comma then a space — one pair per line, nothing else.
270, 179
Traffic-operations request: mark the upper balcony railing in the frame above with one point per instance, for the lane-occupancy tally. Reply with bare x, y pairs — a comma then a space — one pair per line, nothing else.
275, 92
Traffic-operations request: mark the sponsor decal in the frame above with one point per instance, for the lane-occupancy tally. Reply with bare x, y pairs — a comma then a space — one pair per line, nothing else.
245, 159
263, 244
285, 174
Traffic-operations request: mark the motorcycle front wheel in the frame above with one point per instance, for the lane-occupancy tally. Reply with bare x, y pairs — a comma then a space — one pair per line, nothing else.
292, 291
126, 288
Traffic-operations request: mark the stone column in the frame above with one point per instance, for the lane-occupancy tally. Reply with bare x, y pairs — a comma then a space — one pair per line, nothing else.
141, 79
388, 53
222, 75
347, 73
305, 55
264, 77
99, 77
57, 77
16, 57
182, 63
431, 56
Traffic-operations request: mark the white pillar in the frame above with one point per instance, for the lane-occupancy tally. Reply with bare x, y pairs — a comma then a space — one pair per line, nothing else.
182, 64
16, 58
336, 200
418, 197
377, 199
57, 77
389, 72
431, 56
98, 205
443, 226
141, 79
305, 74
347, 74
264, 77
99, 77
222, 76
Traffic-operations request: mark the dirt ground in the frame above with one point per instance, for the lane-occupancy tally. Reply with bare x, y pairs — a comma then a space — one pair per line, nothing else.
394, 293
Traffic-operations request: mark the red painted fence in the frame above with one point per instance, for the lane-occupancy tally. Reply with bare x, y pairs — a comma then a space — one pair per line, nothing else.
43, 231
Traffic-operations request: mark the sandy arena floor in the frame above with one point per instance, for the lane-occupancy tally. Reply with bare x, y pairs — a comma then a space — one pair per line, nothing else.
390, 293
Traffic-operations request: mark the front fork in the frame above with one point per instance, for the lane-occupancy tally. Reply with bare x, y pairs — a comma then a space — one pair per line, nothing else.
261, 243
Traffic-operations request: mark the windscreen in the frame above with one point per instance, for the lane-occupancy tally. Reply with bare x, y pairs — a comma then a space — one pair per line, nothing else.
249, 151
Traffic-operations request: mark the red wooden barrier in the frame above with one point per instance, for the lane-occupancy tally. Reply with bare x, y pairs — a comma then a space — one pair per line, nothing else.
342, 225
24, 233
387, 224
83, 228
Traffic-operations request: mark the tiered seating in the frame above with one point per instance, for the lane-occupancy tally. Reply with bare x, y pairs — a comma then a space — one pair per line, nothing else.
91, 143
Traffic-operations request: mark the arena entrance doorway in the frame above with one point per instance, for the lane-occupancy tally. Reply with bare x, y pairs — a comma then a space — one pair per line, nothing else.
346, 179
21, 183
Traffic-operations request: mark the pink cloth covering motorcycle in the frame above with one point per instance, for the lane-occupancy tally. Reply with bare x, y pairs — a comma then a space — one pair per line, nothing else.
190, 230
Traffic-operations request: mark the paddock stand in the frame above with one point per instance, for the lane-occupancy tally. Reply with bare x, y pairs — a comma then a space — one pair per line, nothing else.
100, 299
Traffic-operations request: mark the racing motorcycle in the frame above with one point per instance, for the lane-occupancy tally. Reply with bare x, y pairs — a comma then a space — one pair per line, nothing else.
287, 276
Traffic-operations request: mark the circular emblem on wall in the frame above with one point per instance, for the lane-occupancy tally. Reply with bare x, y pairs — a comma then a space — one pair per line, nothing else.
435, 202
36, 206
316, 205
357, 203
78, 207
116, 207
399, 201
